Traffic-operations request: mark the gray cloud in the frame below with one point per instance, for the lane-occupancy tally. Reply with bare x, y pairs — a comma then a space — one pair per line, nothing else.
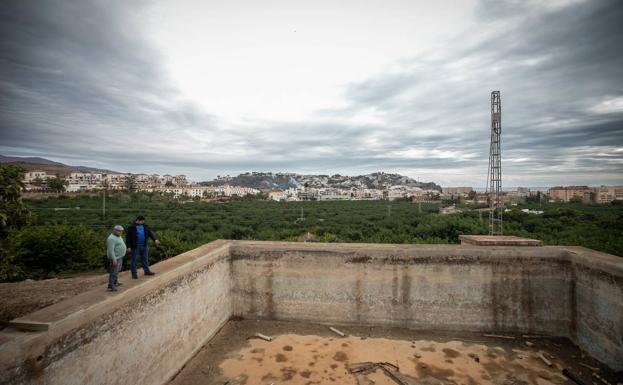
79, 81
552, 68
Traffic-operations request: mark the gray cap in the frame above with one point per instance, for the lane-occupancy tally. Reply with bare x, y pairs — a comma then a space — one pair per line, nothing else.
118, 227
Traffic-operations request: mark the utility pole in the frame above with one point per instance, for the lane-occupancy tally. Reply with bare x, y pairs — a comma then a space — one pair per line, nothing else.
104, 204
302, 217
494, 174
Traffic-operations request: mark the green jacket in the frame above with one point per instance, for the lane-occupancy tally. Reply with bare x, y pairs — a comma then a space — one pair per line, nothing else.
115, 247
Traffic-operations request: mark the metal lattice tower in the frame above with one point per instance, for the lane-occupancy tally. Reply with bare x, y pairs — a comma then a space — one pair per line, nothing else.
494, 175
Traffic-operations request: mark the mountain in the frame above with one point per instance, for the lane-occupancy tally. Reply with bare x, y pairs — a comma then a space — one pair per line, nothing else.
268, 180
30, 160
49, 166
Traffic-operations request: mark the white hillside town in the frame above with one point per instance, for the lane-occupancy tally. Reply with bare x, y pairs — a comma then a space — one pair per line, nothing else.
173, 184
315, 188
295, 187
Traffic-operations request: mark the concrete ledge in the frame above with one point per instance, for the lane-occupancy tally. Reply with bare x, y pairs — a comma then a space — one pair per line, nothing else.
498, 240
151, 327
93, 303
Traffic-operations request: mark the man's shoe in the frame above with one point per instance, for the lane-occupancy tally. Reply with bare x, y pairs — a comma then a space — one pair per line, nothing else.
118, 283
112, 289
134, 276
149, 272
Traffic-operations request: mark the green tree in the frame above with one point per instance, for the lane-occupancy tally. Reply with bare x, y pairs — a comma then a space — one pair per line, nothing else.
37, 182
130, 183
12, 211
44, 250
56, 184
10, 251
171, 245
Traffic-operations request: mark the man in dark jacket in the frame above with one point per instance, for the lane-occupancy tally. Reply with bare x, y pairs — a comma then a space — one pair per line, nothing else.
136, 239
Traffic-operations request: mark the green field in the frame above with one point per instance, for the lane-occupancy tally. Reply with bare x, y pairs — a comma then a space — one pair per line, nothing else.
75, 227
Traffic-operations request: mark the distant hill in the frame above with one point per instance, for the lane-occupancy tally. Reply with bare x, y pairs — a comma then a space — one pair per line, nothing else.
49, 166
32, 160
378, 180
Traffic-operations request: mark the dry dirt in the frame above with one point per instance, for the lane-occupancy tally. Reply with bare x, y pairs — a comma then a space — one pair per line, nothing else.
306, 354
20, 298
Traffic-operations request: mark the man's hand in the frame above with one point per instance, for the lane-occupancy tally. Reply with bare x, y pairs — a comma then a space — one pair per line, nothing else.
114, 263
157, 242
129, 250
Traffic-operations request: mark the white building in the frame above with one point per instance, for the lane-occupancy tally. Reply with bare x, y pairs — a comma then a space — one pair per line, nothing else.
607, 194
31, 176
206, 191
278, 195
456, 191
91, 179
326, 194
116, 181
78, 187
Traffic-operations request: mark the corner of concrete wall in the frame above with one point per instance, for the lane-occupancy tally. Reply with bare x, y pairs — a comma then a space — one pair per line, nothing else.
141, 335
569, 292
597, 304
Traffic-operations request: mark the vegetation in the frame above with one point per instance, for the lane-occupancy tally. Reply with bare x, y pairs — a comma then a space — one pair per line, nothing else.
13, 214
56, 184
68, 234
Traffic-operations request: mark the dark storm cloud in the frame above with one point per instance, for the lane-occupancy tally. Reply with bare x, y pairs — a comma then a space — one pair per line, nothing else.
79, 80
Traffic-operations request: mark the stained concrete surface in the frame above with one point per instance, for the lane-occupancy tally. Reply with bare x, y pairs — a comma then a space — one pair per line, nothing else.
571, 292
498, 240
20, 298
155, 325
305, 354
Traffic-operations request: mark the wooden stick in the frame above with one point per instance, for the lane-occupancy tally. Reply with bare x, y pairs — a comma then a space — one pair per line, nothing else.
499, 336
265, 338
542, 357
600, 378
334, 330
594, 369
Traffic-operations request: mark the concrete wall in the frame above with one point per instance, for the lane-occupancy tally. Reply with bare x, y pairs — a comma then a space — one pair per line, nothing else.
597, 304
571, 292
140, 335
145, 333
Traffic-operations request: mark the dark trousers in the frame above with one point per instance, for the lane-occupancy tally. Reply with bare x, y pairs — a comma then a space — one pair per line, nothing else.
142, 251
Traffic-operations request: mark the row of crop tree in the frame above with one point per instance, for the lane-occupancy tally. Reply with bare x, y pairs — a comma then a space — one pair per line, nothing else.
32, 248
66, 234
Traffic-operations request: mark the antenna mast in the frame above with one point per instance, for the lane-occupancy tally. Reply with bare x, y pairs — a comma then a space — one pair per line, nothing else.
494, 175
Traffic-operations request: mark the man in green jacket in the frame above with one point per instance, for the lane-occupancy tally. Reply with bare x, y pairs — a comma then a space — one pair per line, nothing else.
115, 249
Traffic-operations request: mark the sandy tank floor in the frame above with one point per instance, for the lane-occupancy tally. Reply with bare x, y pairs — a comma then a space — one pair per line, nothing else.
304, 354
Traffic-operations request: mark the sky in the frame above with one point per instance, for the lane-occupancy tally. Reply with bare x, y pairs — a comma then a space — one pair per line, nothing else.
207, 88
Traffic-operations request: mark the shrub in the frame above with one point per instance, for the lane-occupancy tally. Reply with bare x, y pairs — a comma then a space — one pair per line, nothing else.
40, 251
171, 245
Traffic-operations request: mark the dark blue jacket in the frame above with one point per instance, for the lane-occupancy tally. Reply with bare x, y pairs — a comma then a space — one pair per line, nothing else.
130, 235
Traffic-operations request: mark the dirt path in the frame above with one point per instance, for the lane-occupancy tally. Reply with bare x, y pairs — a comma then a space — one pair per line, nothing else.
20, 298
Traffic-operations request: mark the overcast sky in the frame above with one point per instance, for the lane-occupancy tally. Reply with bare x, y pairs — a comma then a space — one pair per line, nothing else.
209, 88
